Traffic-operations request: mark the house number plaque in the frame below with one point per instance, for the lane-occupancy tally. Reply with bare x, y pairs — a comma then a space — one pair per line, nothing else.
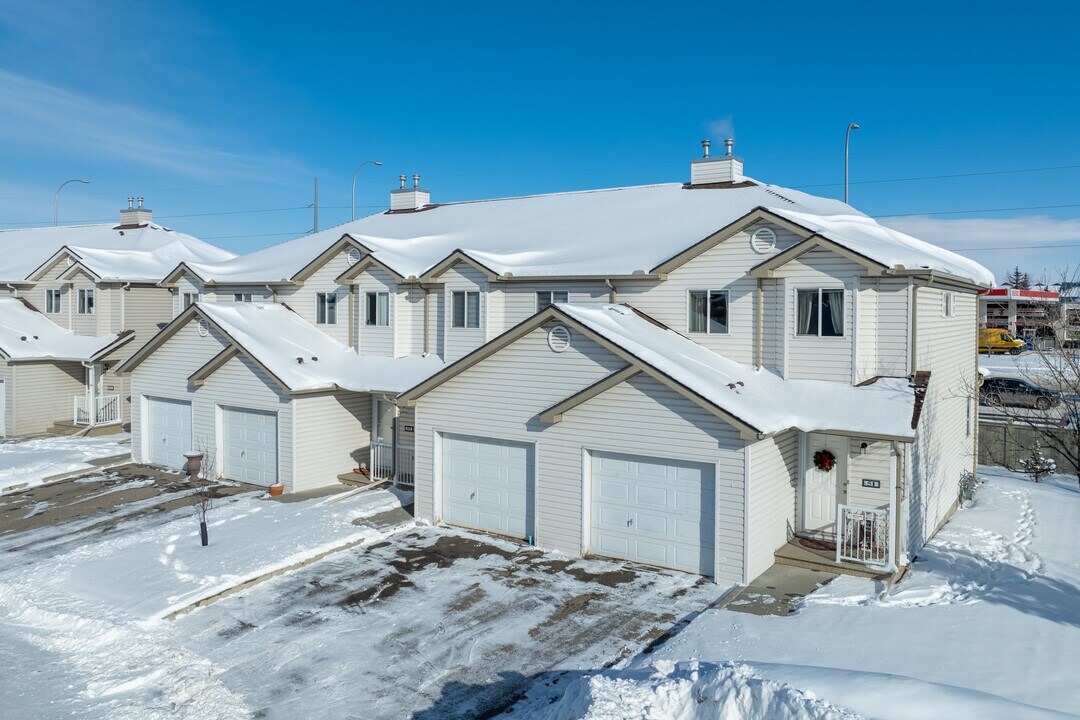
408, 428
871, 483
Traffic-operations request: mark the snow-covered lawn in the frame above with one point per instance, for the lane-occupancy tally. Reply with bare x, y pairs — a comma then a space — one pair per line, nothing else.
29, 462
987, 625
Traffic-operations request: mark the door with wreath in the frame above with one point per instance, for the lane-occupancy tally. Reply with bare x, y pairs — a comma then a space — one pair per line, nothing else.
824, 484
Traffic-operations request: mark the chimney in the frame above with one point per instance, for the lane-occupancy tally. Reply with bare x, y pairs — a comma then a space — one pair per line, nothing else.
408, 199
132, 216
707, 170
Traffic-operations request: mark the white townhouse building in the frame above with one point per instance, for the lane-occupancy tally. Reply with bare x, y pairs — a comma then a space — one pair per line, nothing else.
692, 375
77, 300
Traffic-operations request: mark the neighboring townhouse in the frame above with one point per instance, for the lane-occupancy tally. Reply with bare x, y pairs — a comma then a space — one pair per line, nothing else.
93, 281
687, 374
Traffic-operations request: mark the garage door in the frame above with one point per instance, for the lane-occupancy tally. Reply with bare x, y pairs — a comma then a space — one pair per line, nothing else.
251, 446
486, 484
170, 432
653, 511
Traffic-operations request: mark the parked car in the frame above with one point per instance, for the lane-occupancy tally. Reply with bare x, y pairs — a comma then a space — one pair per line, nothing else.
993, 340
1017, 393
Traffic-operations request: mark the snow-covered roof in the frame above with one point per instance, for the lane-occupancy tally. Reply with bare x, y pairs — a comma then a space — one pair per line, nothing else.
26, 334
304, 358
759, 398
144, 253
889, 247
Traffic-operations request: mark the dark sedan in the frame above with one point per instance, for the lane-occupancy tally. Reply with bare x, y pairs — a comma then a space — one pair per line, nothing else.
1017, 393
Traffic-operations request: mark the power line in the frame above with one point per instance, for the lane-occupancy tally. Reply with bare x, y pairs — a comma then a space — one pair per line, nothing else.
984, 210
1012, 247
942, 177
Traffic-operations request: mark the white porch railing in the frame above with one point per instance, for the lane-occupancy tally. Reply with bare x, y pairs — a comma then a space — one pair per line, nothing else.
862, 535
107, 411
382, 463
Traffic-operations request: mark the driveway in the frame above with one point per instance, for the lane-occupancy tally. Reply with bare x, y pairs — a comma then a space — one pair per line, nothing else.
431, 623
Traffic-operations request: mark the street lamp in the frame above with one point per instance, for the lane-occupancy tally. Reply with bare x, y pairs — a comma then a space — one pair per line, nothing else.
847, 140
56, 199
366, 162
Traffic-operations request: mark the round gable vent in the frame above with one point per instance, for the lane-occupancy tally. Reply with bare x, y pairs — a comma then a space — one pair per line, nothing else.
204, 329
353, 256
763, 240
559, 338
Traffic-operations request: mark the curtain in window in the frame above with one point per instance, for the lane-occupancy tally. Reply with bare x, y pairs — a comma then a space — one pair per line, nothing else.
384, 309
698, 310
832, 313
807, 319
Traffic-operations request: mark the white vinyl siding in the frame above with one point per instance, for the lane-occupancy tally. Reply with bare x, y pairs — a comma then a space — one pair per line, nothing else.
520, 300
303, 299
332, 437
5, 400
772, 323
501, 396
378, 300
471, 333
185, 287
774, 477
871, 464
41, 394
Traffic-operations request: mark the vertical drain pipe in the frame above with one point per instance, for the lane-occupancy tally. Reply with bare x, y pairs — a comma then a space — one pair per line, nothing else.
759, 341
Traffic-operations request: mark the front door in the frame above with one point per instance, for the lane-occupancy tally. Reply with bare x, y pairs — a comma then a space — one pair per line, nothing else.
822, 490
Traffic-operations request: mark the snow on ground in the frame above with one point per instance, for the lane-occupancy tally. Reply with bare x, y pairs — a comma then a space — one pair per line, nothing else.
29, 462
986, 625
1031, 365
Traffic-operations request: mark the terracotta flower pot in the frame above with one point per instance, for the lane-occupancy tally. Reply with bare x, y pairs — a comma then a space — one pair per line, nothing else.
276, 489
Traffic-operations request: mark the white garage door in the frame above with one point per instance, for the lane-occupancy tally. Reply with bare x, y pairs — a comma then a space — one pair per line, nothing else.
251, 443
653, 511
170, 432
486, 484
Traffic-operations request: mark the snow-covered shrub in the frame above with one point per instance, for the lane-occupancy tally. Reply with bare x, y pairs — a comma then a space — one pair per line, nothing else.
1037, 465
969, 483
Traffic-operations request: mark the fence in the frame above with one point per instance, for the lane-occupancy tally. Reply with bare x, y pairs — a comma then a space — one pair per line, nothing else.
1005, 444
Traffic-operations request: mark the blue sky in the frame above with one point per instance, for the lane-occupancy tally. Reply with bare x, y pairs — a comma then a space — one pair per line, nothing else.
214, 110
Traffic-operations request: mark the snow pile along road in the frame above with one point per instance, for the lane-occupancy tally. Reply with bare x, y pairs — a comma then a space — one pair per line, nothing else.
29, 462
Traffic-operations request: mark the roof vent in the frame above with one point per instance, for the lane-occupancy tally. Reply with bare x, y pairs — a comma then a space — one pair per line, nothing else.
707, 170
132, 216
405, 199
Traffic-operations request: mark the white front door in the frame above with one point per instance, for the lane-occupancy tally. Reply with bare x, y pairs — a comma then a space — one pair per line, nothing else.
486, 484
170, 432
822, 490
653, 511
251, 445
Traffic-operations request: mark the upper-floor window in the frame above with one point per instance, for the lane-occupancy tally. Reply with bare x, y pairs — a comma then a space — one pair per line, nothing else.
820, 312
709, 311
190, 299
378, 309
550, 297
86, 301
241, 297
466, 310
947, 300
326, 308
52, 301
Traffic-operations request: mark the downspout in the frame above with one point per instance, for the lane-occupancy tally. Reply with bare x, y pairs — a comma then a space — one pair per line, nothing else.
12, 289
915, 320
353, 318
272, 291
614, 295
759, 341
123, 305
896, 472
427, 320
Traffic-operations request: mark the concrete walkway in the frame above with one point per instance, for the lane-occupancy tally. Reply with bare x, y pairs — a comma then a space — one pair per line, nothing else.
776, 591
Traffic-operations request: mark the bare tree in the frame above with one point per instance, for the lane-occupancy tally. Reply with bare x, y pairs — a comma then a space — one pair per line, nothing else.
203, 499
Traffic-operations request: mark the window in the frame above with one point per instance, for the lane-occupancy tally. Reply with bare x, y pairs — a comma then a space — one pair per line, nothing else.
241, 297
378, 309
466, 311
190, 299
550, 297
52, 301
384, 421
86, 301
709, 311
947, 300
326, 308
820, 313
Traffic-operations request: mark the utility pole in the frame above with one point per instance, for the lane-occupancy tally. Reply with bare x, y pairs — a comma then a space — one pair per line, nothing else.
316, 205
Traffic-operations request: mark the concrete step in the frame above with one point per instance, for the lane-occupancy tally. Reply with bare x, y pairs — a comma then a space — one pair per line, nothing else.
67, 427
795, 555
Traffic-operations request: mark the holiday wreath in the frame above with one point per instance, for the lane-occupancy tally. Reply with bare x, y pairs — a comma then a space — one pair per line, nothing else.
824, 460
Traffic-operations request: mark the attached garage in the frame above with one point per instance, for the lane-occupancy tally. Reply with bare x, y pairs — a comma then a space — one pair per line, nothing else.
251, 446
487, 484
169, 432
653, 511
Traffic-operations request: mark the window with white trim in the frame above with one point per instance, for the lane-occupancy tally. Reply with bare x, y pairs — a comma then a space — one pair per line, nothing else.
189, 299
550, 297
947, 300
466, 309
86, 301
325, 308
378, 309
52, 301
241, 297
820, 312
708, 311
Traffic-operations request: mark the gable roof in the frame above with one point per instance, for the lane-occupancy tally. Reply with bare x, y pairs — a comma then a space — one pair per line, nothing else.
128, 254
289, 261
758, 400
26, 334
296, 354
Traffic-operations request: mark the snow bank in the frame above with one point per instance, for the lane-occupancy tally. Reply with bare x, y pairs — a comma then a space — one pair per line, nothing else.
31, 461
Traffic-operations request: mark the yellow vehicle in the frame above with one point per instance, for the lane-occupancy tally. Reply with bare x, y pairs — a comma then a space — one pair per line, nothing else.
992, 340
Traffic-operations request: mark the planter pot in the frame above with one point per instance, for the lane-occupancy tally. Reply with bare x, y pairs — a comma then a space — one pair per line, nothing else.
194, 464
276, 489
